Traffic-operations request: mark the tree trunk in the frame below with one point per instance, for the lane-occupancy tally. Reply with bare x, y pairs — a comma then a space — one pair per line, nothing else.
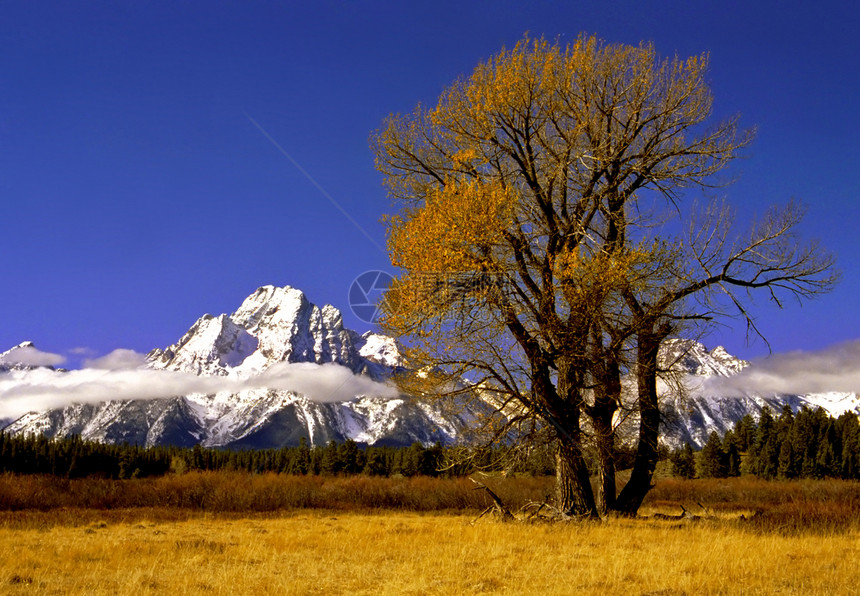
604, 439
574, 495
639, 484
607, 396
573, 485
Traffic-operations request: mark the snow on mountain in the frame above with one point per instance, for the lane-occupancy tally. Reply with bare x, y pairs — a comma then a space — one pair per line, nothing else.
380, 349
276, 325
693, 358
272, 326
19, 359
6, 357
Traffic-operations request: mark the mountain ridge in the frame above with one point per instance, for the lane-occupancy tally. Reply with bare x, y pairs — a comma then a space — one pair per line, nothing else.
276, 326
271, 327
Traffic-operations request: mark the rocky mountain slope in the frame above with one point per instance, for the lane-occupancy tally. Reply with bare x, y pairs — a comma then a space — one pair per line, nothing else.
277, 326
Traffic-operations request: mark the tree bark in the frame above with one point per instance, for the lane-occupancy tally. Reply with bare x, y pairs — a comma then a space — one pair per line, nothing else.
574, 495
637, 487
573, 485
604, 440
607, 396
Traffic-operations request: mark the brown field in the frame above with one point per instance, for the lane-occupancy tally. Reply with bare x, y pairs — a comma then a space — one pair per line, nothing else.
805, 540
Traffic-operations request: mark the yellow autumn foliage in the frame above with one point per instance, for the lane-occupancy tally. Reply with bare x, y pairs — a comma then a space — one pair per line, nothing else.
454, 234
521, 153
591, 279
455, 230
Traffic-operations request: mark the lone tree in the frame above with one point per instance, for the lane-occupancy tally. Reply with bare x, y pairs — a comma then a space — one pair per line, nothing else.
547, 245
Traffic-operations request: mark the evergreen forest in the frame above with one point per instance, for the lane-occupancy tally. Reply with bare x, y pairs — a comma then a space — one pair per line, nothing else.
806, 444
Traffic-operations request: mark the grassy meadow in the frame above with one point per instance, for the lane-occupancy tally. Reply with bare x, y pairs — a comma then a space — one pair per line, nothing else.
421, 538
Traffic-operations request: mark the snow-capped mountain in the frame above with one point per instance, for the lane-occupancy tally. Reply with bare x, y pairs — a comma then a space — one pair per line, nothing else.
18, 360
277, 326
272, 326
7, 362
691, 414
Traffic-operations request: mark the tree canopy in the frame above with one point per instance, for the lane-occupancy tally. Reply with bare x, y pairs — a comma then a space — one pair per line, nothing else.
548, 243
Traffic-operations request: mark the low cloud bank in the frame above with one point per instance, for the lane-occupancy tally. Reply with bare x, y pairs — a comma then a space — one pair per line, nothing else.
320, 382
834, 369
121, 376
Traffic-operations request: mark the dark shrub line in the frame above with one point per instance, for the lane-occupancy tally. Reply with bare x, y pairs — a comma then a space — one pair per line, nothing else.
241, 492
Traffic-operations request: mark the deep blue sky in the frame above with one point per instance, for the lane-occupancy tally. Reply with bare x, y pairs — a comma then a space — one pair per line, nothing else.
137, 194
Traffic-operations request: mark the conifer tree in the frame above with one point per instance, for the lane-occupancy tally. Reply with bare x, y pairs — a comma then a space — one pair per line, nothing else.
745, 430
826, 461
785, 465
805, 433
350, 457
330, 463
712, 463
732, 454
684, 462
301, 461
848, 426
766, 463
375, 464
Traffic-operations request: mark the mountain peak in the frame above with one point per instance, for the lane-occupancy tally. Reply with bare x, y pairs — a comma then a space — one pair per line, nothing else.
382, 349
22, 345
25, 356
260, 307
274, 324
692, 357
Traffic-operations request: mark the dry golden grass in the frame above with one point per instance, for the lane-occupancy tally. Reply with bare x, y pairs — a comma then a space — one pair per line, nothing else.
787, 507
409, 553
246, 534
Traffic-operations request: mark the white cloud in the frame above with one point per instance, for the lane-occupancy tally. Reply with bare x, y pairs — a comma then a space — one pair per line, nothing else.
41, 389
29, 356
120, 359
113, 378
320, 382
835, 369
82, 351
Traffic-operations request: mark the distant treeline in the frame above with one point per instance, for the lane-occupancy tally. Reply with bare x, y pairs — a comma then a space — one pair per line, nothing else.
808, 444
77, 458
